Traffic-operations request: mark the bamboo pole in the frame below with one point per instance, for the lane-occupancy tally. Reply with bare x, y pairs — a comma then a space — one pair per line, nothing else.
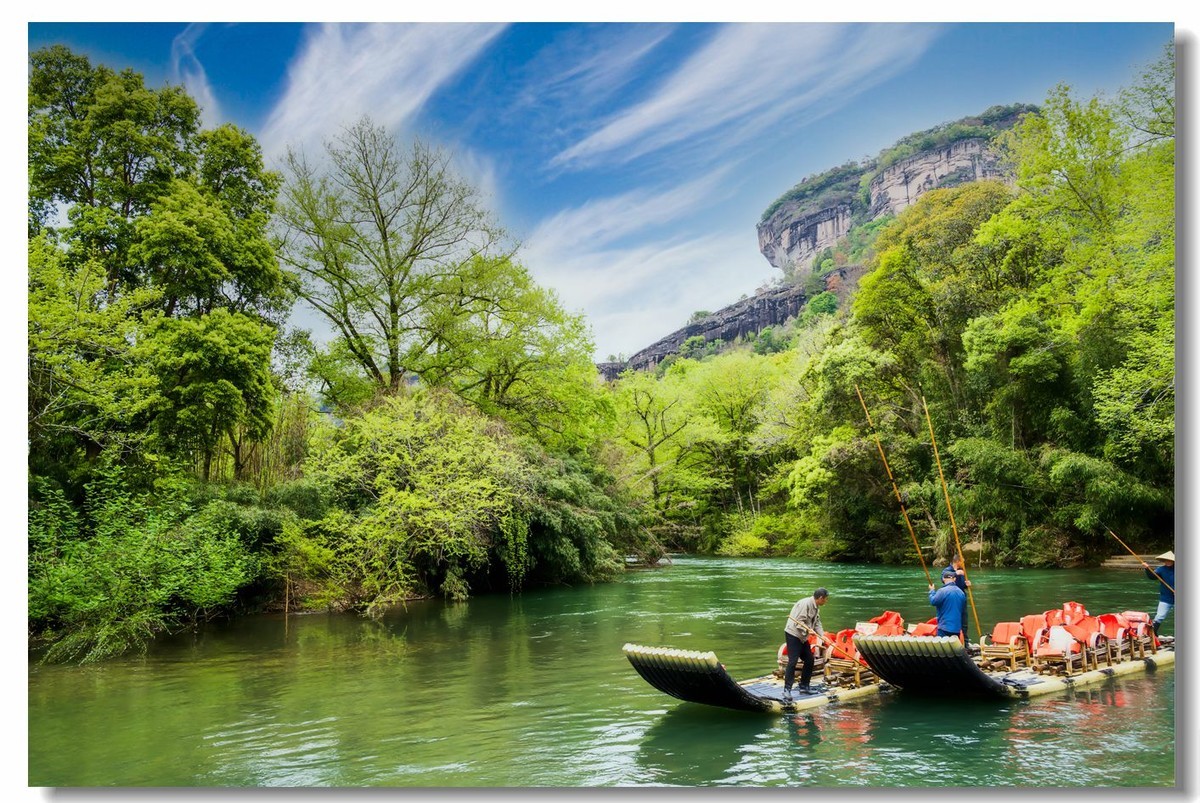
892, 479
832, 644
1139, 557
950, 510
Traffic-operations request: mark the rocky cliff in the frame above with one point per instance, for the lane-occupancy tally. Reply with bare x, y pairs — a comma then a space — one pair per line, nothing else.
819, 211
793, 236
791, 239
769, 307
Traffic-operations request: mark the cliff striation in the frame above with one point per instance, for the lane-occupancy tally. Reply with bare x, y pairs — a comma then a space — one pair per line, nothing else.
795, 233
897, 187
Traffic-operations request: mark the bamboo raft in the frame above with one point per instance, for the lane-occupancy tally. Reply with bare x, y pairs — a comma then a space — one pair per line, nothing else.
923, 665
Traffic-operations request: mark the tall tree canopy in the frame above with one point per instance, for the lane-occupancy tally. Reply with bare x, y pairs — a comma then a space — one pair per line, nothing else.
142, 227
378, 240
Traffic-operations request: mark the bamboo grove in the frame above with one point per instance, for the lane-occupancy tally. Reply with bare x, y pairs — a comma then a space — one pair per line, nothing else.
195, 454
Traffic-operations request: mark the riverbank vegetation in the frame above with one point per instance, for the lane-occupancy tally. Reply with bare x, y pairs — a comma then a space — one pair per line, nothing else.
192, 454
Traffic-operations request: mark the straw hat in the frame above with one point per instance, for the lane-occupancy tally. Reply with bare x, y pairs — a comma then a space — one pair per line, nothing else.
1167, 556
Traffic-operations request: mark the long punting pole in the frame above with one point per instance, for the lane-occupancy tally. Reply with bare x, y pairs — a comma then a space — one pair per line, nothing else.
830, 642
1139, 557
950, 510
895, 489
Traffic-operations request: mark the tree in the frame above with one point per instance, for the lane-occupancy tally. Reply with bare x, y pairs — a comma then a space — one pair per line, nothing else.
103, 144
507, 346
84, 383
163, 222
423, 485
661, 435
213, 376
376, 241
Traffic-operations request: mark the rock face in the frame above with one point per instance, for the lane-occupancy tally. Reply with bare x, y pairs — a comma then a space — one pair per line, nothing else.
793, 236
769, 307
898, 187
820, 211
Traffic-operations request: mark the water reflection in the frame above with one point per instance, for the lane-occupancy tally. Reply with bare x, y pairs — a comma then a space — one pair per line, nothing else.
806, 730
693, 744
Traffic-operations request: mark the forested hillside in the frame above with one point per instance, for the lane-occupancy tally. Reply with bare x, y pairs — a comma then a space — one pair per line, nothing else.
192, 456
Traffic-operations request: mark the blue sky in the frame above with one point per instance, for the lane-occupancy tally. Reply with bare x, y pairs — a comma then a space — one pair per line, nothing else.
632, 161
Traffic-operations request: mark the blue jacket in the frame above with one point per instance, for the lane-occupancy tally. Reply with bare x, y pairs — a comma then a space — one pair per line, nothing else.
1167, 573
951, 604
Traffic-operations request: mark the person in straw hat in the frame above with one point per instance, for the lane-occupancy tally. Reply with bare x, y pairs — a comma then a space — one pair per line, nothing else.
1164, 575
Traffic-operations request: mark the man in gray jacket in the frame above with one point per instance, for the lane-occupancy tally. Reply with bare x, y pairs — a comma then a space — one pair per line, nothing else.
805, 618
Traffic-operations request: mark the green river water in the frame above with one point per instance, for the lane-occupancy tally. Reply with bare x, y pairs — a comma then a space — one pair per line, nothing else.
533, 691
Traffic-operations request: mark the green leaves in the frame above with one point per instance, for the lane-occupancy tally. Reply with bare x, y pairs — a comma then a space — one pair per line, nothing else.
213, 374
429, 482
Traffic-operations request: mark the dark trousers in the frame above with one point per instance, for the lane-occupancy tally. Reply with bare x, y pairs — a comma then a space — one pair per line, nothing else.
797, 649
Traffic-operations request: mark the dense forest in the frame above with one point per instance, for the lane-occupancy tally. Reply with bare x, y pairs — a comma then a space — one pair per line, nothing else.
194, 455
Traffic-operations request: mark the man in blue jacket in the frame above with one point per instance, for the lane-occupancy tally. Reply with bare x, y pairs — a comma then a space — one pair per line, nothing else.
1165, 577
960, 580
951, 605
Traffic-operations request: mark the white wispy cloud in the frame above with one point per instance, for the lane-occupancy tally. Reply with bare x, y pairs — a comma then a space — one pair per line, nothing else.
749, 77
634, 296
608, 220
634, 265
586, 67
386, 70
187, 70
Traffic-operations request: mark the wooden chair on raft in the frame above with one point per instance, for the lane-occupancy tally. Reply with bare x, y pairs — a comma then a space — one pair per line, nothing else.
845, 665
1006, 643
1117, 630
1144, 640
1086, 630
1059, 651
1034, 628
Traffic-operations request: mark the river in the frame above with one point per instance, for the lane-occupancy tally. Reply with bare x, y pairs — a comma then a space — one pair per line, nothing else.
532, 690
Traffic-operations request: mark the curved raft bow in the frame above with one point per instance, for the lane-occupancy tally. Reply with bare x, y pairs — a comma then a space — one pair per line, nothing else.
698, 677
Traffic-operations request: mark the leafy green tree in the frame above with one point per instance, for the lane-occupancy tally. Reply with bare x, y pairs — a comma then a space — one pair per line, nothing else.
508, 347
379, 242
174, 220
660, 431
84, 382
213, 375
928, 283
104, 145
128, 567
579, 524
731, 390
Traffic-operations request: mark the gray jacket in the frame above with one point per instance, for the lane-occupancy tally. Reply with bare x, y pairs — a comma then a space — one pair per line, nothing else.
805, 611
